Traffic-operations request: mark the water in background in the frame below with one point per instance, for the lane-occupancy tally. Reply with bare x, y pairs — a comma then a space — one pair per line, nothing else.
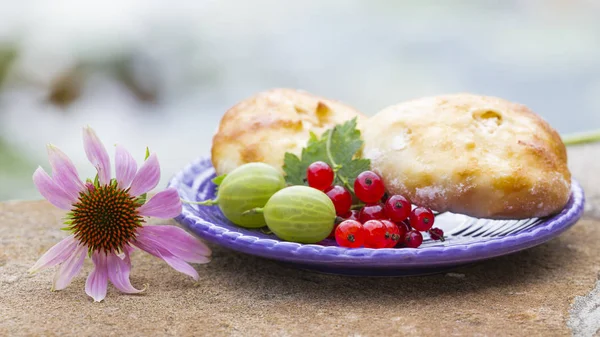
161, 74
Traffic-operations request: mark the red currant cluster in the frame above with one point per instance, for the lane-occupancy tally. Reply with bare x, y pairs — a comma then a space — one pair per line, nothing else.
382, 222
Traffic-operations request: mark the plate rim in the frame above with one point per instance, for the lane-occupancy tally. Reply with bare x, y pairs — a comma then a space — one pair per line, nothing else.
314, 254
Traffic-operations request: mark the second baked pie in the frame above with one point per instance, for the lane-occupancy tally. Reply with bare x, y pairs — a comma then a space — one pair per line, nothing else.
477, 155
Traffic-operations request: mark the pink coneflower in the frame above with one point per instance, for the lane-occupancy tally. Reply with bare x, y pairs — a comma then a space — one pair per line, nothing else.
105, 219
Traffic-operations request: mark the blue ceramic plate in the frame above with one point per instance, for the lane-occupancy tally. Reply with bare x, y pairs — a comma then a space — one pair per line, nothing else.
468, 239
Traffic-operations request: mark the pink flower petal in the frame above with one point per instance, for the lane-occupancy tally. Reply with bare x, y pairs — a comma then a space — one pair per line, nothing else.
125, 167
165, 204
147, 177
180, 265
69, 268
177, 241
118, 273
59, 253
51, 191
149, 243
96, 154
97, 281
64, 172
127, 249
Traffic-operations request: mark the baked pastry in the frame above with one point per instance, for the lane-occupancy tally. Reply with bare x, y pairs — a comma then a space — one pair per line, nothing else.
476, 155
265, 126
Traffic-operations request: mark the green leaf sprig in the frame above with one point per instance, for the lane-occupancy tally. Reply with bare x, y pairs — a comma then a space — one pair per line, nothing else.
338, 147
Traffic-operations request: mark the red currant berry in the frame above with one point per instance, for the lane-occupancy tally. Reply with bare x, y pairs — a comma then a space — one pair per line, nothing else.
421, 219
368, 187
350, 234
372, 212
413, 239
397, 208
392, 233
437, 234
352, 215
405, 224
342, 199
403, 228
319, 175
375, 234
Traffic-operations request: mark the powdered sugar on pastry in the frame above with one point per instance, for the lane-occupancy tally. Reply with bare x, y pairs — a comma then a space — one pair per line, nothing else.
430, 193
476, 155
401, 140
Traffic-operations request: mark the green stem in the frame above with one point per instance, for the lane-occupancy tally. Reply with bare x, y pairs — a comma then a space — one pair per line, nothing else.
328, 149
201, 203
581, 138
357, 206
257, 210
347, 184
336, 167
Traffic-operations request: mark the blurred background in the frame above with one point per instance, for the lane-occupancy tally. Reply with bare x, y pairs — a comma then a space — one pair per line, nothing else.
162, 73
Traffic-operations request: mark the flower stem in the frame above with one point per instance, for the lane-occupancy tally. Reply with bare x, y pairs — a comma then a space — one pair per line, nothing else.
201, 203
581, 138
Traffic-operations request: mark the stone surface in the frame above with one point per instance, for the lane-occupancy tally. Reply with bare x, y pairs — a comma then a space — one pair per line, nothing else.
545, 291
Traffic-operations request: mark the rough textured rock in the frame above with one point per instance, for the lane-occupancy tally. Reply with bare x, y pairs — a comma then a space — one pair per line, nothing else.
544, 291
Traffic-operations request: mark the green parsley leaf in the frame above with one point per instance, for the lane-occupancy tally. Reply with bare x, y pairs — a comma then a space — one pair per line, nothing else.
338, 148
295, 168
345, 142
350, 171
219, 179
